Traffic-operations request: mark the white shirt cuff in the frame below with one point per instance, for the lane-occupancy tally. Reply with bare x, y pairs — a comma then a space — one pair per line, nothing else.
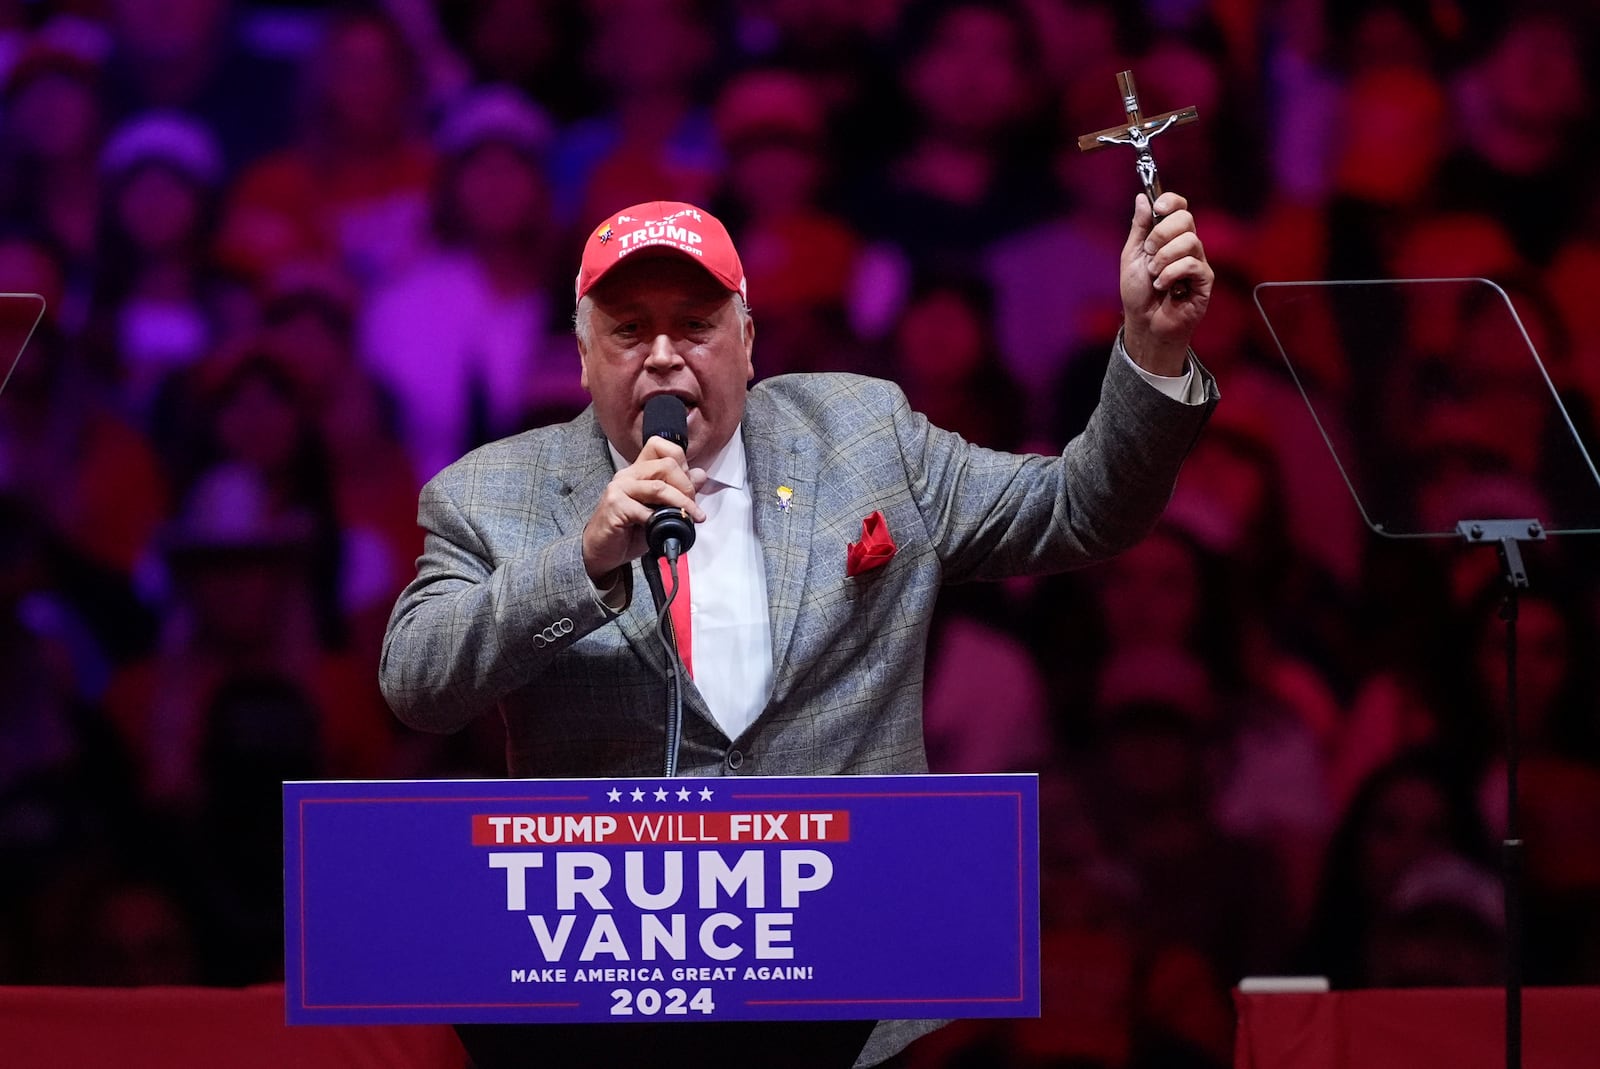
614, 597
1181, 388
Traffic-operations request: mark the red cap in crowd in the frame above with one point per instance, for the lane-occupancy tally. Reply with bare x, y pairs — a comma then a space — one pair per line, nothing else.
662, 228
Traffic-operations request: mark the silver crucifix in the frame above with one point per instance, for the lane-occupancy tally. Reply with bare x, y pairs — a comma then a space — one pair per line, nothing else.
1138, 132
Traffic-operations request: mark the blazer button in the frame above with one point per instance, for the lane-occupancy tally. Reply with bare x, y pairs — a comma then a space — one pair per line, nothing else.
565, 625
735, 759
540, 642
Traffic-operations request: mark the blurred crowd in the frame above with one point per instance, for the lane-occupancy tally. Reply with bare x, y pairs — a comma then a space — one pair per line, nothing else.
298, 257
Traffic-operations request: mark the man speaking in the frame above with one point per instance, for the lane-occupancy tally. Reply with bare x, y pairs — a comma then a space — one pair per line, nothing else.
827, 514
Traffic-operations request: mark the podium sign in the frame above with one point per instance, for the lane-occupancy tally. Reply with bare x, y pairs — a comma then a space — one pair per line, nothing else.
808, 898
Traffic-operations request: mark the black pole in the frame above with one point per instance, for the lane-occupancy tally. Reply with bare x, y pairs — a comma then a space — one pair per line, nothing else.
1511, 848
664, 597
1507, 536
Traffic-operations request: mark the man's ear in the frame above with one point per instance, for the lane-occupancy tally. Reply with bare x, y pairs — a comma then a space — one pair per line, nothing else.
583, 364
749, 348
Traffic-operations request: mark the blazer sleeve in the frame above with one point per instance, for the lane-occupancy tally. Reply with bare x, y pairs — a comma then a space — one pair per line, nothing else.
992, 515
499, 593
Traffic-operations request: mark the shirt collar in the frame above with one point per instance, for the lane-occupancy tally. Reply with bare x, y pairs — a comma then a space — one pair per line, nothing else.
725, 468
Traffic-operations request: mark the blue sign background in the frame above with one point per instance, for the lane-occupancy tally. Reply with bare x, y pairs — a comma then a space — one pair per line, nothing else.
393, 914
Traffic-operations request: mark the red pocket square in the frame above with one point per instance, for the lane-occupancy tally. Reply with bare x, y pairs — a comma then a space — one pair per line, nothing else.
874, 549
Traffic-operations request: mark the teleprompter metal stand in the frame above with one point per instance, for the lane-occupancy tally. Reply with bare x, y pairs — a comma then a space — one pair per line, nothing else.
1507, 537
1442, 408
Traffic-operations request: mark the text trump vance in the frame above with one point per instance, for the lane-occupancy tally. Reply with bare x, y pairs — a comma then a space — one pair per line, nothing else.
731, 899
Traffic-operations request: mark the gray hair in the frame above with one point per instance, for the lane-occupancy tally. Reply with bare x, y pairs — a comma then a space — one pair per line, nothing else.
583, 329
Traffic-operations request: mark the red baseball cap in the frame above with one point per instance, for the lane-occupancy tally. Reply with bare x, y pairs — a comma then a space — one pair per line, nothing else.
662, 228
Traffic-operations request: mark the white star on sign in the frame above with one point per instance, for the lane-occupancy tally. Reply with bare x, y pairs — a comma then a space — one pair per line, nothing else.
661, 794
705, 794
683, 794
637, 795
613, 795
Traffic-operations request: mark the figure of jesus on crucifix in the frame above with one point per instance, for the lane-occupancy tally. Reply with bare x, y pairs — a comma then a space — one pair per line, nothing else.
1138, 132
1146, 163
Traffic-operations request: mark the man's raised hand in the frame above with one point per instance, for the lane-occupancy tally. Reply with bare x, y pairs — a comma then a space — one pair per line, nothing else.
1158, 322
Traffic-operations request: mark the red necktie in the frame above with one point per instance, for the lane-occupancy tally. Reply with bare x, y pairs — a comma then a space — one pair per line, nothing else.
680, 609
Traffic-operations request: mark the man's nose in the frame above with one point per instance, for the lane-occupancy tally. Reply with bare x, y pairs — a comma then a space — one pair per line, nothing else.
663, 354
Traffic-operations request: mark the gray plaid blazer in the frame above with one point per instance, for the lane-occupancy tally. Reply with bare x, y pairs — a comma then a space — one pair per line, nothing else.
502, 614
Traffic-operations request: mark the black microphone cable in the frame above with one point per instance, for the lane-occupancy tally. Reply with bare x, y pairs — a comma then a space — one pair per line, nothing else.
669, 645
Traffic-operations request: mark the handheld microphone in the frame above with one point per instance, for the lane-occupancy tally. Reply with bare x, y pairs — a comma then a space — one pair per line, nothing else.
666, 416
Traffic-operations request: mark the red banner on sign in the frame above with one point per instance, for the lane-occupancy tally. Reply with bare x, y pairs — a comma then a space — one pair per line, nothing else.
630, 829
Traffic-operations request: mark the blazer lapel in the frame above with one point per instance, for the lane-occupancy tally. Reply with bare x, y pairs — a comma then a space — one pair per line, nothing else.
775, 458
585, 471
582, 483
